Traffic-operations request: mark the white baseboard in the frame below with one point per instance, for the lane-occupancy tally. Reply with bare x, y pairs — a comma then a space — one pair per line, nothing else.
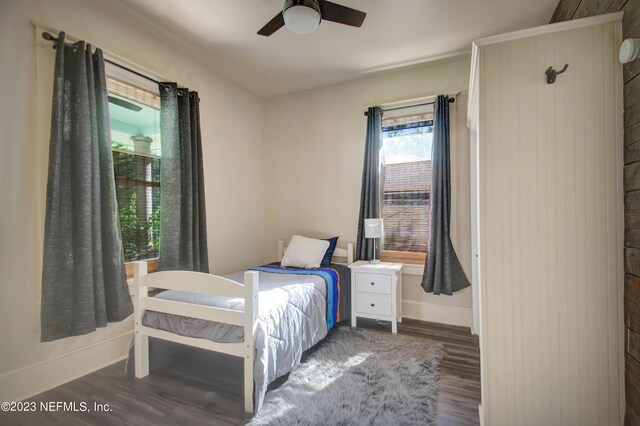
451, 315
33, 379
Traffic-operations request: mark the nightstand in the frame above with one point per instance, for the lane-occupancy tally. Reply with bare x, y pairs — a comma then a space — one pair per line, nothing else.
376, 292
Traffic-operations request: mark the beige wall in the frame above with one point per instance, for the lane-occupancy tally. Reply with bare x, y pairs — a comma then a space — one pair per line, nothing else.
314, 145
233, 164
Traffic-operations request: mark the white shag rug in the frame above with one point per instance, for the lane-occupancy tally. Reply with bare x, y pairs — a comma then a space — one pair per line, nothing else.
359, 377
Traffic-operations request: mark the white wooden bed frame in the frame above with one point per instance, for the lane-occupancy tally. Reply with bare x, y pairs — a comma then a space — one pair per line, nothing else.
197, 282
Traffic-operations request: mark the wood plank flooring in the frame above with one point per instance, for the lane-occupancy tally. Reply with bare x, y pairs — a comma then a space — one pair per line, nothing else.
195, 393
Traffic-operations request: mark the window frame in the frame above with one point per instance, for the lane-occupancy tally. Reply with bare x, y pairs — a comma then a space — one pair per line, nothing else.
398, 256
128, 78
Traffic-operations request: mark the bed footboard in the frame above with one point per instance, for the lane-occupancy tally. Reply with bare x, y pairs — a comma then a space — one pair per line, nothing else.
197, 282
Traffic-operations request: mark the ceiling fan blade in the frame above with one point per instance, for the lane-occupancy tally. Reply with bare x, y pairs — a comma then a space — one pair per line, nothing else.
272, 26
341, 14
124, 104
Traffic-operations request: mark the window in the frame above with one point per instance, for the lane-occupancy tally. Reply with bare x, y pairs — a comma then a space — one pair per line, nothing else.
406, 145
134, 116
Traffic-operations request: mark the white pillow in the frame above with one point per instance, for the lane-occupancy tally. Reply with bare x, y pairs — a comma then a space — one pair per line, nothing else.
304, 252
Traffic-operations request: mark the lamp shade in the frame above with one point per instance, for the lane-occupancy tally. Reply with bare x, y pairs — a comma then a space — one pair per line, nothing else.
301, 19
373, 228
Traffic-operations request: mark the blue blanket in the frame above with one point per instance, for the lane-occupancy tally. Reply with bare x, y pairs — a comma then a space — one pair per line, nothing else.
330, 276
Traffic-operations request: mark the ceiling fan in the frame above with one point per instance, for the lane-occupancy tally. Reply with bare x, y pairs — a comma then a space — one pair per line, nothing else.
304, 16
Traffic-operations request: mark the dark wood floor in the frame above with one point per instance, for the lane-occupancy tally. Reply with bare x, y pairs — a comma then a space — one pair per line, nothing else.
193, 393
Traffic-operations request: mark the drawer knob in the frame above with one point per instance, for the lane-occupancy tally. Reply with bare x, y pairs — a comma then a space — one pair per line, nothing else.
373, 304
372, 283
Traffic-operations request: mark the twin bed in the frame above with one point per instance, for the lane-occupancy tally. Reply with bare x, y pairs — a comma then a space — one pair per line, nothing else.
268, 316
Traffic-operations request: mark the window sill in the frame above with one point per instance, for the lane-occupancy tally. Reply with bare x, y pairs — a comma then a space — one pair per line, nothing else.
152, 266
413, 261
408, 257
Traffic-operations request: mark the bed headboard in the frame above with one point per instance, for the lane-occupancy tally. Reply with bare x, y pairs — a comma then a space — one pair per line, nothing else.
346, 253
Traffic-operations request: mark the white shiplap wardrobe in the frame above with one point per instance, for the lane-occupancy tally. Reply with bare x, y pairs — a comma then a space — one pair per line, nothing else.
547, 224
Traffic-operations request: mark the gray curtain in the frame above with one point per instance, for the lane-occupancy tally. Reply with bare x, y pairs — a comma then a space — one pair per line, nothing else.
371, 190
183, 230
83, 278
443, 273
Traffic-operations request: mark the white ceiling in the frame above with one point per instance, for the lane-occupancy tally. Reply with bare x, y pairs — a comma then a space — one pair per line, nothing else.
396, 33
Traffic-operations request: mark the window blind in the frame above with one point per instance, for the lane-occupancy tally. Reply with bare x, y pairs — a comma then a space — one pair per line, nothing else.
407, 119
406, 206
138, 192
120, 88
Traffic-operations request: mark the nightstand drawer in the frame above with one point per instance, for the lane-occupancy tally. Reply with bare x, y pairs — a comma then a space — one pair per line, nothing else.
373, 304
373, 283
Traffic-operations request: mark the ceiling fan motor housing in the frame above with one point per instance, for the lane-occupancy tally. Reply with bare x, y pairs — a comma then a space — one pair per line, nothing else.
313, 4
302, 20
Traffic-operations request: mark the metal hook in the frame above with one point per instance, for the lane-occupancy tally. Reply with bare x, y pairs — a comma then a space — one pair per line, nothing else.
552, 74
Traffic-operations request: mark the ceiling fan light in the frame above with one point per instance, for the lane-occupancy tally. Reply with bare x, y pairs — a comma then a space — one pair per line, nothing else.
301, 19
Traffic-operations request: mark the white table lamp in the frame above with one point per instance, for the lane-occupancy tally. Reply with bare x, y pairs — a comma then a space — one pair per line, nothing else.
373, 228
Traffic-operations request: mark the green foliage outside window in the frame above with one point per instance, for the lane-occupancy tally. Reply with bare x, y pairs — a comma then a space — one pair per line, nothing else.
132, 229
154, 228
140, 232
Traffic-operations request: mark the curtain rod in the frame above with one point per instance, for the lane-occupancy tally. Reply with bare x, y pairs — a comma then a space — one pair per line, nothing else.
49, 37
451, 100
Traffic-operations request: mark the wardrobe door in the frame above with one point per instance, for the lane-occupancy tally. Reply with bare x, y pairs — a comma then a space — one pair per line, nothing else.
551, 227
